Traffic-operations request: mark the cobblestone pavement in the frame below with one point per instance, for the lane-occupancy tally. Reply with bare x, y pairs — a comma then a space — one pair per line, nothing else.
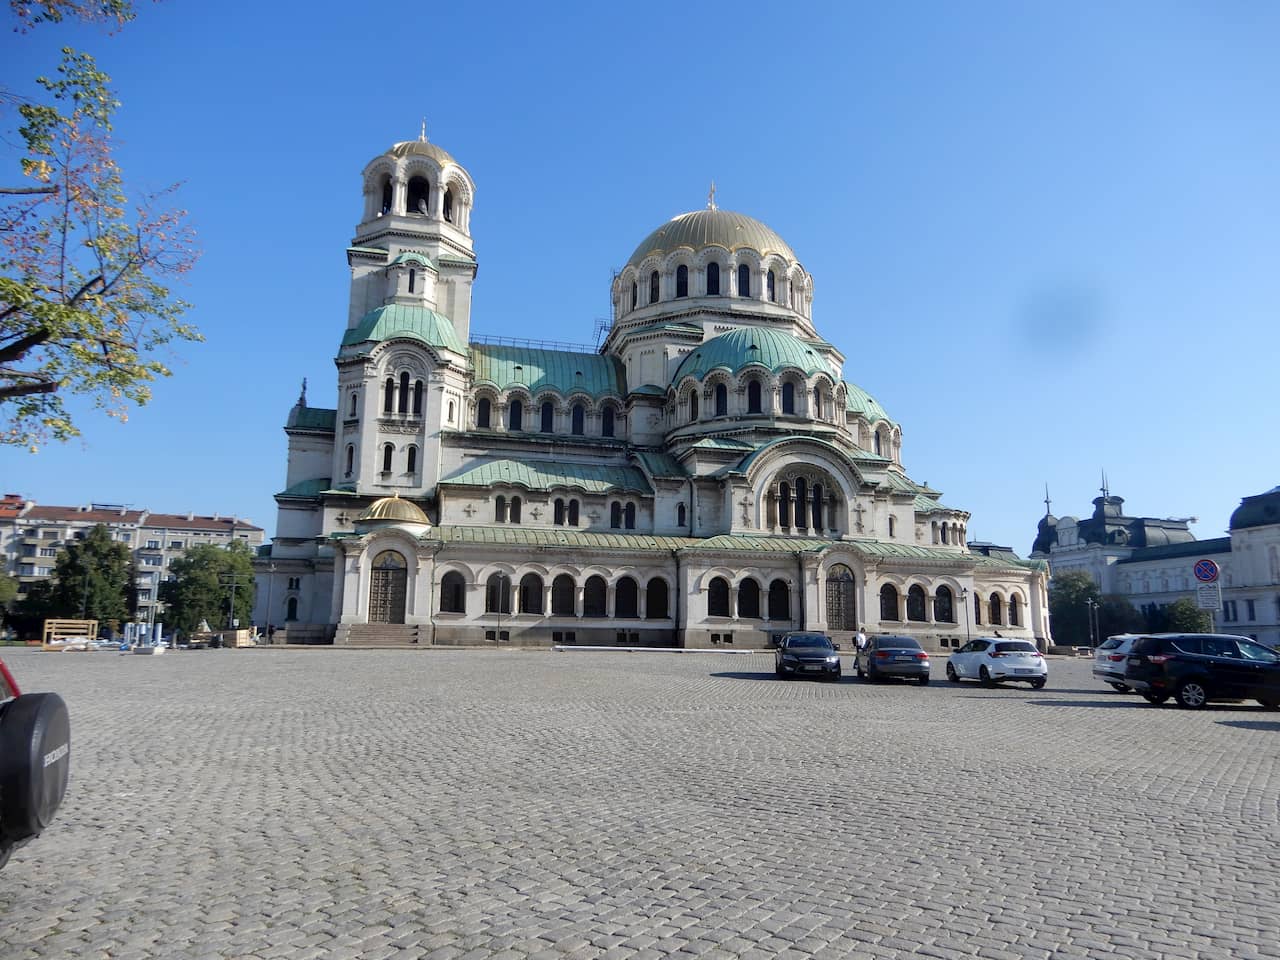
453, 804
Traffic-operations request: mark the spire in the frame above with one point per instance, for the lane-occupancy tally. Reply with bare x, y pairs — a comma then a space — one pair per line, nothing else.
422, 136
1105, 491
1048, 511
302, 397
711, 197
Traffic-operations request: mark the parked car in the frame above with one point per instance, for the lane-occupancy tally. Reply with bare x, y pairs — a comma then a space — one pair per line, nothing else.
1110, 658
993, 660
35, 761
885, 657
1196, 668
807, 654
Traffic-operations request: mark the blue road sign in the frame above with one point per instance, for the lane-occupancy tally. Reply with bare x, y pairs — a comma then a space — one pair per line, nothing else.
1206, 571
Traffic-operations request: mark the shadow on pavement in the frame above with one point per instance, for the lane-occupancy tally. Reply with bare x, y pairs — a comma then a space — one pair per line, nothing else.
1252, 724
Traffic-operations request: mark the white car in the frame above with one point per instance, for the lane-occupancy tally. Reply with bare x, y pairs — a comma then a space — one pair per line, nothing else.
1109, 660
994, 660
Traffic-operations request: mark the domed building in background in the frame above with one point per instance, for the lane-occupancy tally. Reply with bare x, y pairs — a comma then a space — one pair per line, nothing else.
707, 477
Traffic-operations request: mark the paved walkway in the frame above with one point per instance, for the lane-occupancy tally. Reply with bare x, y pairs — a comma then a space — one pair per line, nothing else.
451, 804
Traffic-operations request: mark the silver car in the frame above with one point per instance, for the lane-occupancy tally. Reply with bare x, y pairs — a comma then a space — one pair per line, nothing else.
993, 660
1109, 660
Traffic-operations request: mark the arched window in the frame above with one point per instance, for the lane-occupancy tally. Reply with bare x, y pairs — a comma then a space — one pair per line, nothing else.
404, 392
944, 610
653, 287
1015, 615
682, 281
389, 395
997, 613
773, 288
635, 295
977, 609
388, 451
453, 593
744, 280
789, 398
579, 420
482, 413
291, 609
749, 599
531, 594
351, 459
515, 415
718, 597
753, 396
573, 513
722, 400
563, 596
779, 601
889, 602
548, 416
615, 516
419, 195
915, 603
893, 526
784, 505
842, 601
713, 279
411, 460
515, 509
497, 593
417, 398
817, 403
351, 410
594, 597
413, 276
451, 411
802, 515
945, 534
500, 509
558, 516
448, 205
693, 406
879, 453
655, 607
387, 194
606, 421
629, 516
681, 518
626, 599
816, 505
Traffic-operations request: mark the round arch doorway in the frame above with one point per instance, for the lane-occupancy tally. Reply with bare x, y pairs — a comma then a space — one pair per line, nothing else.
388, 583
842, 610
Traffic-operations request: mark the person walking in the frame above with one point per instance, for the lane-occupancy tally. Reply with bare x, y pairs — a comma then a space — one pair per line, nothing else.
860, 639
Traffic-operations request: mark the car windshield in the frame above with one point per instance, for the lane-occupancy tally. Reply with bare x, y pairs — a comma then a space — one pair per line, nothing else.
1018, 646
1256, 651
818, 643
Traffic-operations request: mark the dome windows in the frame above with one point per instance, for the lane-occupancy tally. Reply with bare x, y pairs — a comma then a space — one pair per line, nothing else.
419, 196
682, 281
744, 280
653, 287
772, 282
448, 205
713, 279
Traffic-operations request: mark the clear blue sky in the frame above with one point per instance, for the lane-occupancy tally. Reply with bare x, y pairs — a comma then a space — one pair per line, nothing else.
1047, 237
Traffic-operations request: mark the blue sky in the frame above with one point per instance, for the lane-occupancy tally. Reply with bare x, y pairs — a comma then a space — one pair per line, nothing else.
1046, 237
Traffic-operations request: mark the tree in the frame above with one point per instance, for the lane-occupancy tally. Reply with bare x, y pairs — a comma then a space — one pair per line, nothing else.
200, 588
1183, 616
1118, 615
85, 302
1069, 593
91, 579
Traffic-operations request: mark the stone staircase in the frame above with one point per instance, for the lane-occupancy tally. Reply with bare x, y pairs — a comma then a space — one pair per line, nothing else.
368, 636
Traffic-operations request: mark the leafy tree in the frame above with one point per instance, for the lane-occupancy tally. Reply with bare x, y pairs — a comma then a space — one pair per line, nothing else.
1118, 615
201, 587
91, 579
1183, 616
28, 614
1068, 610
85, 302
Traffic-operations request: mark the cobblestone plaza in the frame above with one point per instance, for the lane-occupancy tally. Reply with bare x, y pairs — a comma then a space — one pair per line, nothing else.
450, 804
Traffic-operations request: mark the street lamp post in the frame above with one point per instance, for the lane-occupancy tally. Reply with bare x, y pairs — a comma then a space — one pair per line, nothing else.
1091, 607
964, 600
271, 576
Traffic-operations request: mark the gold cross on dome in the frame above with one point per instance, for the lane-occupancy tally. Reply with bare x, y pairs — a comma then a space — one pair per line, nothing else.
423, 135
711, 197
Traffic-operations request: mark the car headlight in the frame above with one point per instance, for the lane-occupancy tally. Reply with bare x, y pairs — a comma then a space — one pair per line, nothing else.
834, 659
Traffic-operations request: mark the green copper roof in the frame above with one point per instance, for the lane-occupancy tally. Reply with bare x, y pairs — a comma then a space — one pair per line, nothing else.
413, 256
399, 320
745, 346
722, 443
537, 369
705, 228
649, 390
660, 464
312, 418
306, 488
858, 401
544, 475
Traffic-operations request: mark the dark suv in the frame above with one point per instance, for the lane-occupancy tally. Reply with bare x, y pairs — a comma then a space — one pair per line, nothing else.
35, 757
1195, 668
807, 654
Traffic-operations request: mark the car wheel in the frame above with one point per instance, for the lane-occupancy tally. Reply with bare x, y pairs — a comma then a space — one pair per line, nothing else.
985, 677
952, 675
1155, 699
1192, 695
778, 671
924, 681
857, 668
1121, 687
1037, 684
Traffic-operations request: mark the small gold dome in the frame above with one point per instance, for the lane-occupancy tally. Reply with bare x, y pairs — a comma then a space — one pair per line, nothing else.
393, 508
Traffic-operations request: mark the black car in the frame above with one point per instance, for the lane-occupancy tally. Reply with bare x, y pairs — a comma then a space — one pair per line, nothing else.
35, 759
1195, 668
807, 655
885, 657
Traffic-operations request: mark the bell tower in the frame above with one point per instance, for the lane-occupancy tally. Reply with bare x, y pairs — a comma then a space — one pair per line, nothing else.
416, 217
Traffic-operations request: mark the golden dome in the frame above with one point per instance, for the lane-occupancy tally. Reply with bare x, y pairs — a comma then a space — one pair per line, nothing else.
393, 508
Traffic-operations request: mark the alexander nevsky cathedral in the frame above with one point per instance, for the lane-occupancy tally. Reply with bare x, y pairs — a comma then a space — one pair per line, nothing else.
706, 478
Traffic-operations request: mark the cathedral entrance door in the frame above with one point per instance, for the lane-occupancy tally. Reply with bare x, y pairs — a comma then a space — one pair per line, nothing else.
842, 612
388, 582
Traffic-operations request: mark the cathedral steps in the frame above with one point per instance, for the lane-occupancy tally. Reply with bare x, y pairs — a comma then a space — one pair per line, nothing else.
371, 636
